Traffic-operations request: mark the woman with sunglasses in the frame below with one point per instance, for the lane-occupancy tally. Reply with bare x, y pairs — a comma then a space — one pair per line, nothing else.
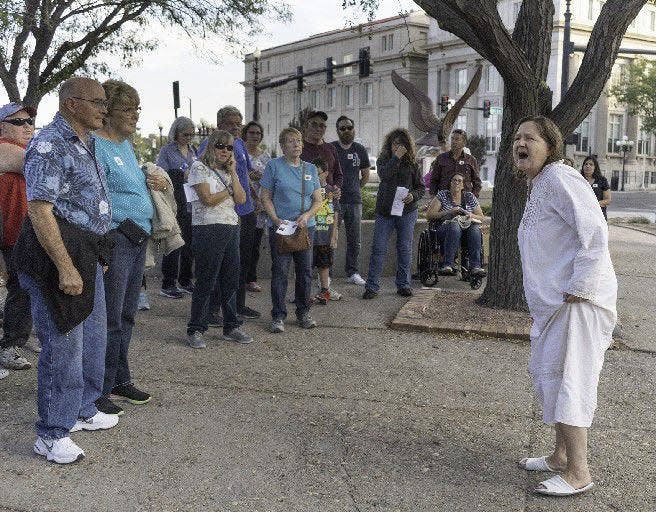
215, 238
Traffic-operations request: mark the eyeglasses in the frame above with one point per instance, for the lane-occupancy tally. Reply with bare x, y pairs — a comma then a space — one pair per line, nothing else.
20, 121
129, 110
98, 103
220, 146
190, 134
345, 128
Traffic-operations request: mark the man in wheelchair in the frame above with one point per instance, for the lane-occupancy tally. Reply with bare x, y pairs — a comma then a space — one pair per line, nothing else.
456, 216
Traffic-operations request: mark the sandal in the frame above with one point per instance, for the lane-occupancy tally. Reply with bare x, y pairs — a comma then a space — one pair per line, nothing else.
535, 464
557, 486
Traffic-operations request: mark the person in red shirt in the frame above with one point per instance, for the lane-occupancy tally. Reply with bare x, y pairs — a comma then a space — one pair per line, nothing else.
16, 130
455, 161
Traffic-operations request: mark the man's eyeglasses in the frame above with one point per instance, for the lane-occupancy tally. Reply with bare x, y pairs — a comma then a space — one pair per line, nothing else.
20, 121
97, 103
129, 110
345, 128
220, 146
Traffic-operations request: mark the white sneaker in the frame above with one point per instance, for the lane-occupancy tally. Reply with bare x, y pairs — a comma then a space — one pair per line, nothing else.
356, 279
4, 373
99, 421
61, 451
334, 294
10, 358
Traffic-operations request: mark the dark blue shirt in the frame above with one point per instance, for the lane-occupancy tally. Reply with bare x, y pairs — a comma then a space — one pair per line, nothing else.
61, 169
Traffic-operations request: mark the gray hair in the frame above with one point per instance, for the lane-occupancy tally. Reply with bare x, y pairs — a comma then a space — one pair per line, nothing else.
181, 123
226, 111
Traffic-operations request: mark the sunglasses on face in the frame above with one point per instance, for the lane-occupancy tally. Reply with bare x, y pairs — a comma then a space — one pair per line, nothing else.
345, 128
220, 146
20, 121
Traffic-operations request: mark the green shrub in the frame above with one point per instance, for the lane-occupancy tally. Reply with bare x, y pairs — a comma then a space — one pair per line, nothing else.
639, 220
368, 204
487, 210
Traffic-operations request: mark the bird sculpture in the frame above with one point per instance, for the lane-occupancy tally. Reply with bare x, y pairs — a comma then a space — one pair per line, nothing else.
422, 110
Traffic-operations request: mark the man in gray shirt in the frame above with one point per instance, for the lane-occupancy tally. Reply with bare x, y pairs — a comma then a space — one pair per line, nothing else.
354, 161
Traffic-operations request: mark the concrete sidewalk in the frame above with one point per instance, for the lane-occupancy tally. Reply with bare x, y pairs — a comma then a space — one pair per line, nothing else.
350, 416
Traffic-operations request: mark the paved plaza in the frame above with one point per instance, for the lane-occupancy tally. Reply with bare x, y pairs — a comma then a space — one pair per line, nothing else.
351, 416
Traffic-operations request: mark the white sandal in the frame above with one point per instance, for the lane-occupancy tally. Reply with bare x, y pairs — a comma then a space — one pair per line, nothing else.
535, 464
557, 486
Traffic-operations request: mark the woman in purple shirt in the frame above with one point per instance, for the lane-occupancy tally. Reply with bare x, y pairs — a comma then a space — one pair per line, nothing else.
176, 159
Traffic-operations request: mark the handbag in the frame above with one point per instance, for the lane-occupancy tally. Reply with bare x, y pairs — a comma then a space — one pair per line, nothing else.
132, 231
300, 239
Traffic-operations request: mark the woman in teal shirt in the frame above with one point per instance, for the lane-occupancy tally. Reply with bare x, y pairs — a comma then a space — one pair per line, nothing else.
132, 212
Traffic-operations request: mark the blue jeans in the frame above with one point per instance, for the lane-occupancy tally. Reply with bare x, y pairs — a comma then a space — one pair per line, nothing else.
450, 233
216, 253
352, 215
71, 365
122, 285
383, 227
279, 274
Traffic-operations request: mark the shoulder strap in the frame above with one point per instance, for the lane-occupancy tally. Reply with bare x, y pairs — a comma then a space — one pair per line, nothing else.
218, 175
302, 187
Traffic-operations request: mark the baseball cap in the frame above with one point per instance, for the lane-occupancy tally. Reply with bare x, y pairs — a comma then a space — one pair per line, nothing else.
318, 113
11, 108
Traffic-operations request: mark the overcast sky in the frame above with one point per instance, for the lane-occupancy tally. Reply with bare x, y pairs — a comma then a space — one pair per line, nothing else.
211, 85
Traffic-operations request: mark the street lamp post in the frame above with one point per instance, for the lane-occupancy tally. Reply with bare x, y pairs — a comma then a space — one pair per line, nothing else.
567, 49
256, 92
624, 145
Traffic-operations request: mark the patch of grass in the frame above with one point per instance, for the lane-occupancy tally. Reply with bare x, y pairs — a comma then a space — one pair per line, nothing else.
638, 220
487, 210
368, 204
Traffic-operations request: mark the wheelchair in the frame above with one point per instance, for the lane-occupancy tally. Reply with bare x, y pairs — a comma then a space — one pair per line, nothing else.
429, 257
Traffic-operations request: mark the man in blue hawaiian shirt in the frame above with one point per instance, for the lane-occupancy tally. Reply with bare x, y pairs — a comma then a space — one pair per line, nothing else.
64, 182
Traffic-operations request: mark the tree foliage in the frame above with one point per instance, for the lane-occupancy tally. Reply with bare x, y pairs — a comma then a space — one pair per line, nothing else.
638, 91
43, 42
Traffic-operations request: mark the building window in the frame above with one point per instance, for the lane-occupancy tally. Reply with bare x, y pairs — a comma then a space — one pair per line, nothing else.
461, 81
348, 69
653, 177
491, 79
367, 93
268, 66
516, 6
348, 95
268, 107
461, 122
644, 143
615, 122
268, 129
492, 134
313, 98
387, 42
583, 132
645, 178
331, 96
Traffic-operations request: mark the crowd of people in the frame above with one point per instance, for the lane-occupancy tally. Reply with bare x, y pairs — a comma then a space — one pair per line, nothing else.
80, 215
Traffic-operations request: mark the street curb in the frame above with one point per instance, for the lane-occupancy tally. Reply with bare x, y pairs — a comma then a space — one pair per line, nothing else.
633, 228
411, 318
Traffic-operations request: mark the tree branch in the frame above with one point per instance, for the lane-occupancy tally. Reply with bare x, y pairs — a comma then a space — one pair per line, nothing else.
597, 63
479, 25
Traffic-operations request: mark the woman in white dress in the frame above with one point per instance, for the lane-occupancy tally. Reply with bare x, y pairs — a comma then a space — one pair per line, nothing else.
571, 291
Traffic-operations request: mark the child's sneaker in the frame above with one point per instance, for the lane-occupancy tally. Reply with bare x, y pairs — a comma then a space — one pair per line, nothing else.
321, 298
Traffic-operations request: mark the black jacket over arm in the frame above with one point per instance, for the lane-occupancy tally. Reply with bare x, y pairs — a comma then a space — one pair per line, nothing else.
394, 173
86, 249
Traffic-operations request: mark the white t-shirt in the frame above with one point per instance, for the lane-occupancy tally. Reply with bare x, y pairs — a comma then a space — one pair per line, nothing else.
222, 213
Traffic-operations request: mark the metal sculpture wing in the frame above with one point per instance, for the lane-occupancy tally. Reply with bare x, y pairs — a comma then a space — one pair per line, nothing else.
422, 110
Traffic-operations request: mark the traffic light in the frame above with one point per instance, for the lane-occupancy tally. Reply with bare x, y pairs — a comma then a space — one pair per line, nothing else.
329, 70
176, 97
299, 78
486, 108
364, 62
444, 104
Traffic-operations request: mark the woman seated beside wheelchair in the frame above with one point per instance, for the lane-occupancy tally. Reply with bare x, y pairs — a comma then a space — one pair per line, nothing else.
457, 213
